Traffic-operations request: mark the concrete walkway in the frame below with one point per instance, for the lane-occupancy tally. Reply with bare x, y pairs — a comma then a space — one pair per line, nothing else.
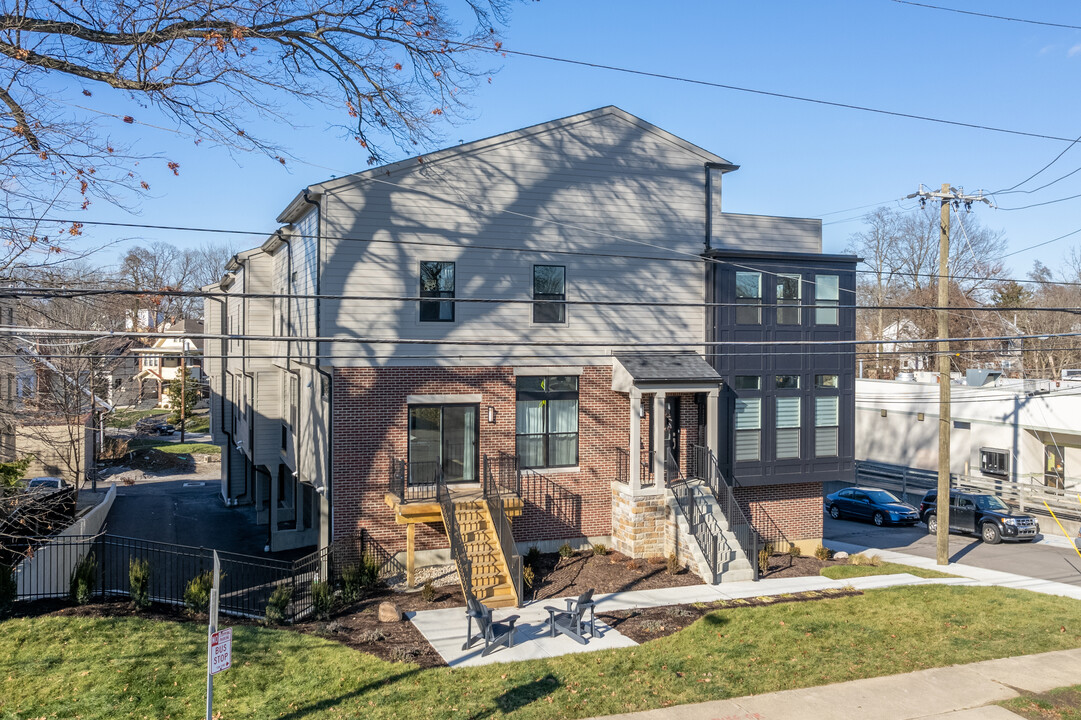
960, 692
445, 629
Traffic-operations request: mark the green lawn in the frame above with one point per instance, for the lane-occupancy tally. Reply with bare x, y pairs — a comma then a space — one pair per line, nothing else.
198, 423
1061, 704
176, 448
843, 572
59, 667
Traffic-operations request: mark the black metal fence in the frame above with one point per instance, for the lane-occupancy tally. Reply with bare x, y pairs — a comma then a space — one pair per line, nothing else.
246, 581
32, 514
645, 466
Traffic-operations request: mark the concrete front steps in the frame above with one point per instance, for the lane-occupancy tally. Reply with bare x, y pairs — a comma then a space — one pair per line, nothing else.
491, 581
738, 567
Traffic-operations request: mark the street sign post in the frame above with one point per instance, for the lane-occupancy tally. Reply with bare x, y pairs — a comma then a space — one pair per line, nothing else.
213, 640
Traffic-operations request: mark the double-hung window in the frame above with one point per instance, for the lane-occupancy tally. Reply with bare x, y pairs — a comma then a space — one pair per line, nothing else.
748, 298
787, 421
549, 283
547, 421
827, 297
436, 281
788, 299
748, 426
827, 421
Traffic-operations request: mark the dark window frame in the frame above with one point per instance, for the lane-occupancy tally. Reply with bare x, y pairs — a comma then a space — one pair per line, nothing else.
748, 304
543, 311
788, 308
988, 464
546, 395
430, 310
442, 427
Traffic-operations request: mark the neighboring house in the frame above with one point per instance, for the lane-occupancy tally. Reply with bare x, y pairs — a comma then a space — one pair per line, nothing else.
902, 346
581, 409
1002, 429
160, 363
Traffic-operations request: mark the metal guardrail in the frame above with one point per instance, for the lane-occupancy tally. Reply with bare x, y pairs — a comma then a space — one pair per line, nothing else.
912, 483
458, 552
705, 528
748, 534
645, 465
412, 484
494, 496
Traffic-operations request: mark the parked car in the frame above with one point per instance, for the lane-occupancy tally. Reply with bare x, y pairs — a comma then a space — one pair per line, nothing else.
980, 513
154, 426
45, 484
879, 506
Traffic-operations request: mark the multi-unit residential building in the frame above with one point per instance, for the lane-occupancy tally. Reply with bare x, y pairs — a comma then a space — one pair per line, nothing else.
551, 335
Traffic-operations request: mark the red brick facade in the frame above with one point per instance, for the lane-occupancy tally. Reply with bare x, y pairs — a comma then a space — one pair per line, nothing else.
795, 510
371, 430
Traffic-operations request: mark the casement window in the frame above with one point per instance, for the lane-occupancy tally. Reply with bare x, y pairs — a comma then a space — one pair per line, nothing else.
549, 283
994, 462
827, 422
436, 281
748, 427
827, 382
786, 382
547, 421
788, 427
748, 298
747, 382
827, 297
788, 299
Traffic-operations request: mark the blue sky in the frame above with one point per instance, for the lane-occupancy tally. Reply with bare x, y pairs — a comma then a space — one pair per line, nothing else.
797, 159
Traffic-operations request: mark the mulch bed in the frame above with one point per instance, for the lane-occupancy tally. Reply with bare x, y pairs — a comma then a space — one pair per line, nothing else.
645, 624
614, 572
782, 565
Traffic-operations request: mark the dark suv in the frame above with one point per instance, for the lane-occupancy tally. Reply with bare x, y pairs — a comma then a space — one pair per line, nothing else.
972, 512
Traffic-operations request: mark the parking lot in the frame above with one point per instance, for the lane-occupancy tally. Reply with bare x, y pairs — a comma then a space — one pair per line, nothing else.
1047, 562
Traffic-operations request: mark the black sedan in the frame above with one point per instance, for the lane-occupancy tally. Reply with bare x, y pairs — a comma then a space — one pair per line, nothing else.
879, 506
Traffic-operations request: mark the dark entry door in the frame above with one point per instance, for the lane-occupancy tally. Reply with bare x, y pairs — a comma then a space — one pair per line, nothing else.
1054, 470
671, 437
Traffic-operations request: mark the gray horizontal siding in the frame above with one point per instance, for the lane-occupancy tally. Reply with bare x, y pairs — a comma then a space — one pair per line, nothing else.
763, 233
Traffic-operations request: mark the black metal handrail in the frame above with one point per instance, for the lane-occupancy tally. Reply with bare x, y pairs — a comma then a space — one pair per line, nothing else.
494, 496
645, 463
704, 466
405, 484
705, 528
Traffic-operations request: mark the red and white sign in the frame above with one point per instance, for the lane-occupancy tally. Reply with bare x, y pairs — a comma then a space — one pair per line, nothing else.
221, 651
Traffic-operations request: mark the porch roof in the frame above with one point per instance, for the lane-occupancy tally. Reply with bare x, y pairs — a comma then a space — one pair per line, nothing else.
657, 371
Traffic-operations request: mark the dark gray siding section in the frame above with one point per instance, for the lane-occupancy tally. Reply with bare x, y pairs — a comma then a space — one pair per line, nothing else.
802, 358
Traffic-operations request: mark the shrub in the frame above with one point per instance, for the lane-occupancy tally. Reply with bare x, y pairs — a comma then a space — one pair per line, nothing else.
794, 551
322, 600
674, 565
565, 550
529, 576
600, 549
372, 636
8, 589
404, 654
650, 625
874, 561
428, 592
84, 579
634, 564
532, 556
139, 579
359, 577
763, 558
277, 605
823, 553
197, 593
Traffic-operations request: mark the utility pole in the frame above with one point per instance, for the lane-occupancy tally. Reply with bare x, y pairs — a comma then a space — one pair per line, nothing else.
947, 196
183, 384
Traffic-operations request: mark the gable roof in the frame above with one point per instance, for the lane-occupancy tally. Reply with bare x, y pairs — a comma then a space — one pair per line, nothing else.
298, 206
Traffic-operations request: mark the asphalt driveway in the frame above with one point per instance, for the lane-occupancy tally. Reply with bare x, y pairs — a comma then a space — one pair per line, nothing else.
1047, 562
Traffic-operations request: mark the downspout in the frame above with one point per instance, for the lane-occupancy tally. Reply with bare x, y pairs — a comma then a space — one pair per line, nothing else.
318, 357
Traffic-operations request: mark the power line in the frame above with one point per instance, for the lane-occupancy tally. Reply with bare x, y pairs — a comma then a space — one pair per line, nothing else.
987, 15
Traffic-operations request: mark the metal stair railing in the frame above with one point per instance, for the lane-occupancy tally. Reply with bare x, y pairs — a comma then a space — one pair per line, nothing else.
705, 528
493, 496
707, 468
404, 485
458, 552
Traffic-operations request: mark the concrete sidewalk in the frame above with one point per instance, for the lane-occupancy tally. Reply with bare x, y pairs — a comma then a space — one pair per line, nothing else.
960, 692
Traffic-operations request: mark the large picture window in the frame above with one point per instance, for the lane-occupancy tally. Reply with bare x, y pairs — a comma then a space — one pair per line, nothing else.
827, 297
549, 283
436, 281
827, 420
748, 429
748, 298
788, 412
547, 421
788, 299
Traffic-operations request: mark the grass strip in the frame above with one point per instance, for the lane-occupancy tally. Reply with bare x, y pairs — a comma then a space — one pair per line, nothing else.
843, 572
105, 668
1059, 704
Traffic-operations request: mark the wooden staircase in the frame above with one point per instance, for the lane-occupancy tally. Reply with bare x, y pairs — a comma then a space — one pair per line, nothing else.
490, 579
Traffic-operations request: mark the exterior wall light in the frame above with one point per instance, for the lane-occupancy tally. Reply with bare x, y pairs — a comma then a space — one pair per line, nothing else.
491, 413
